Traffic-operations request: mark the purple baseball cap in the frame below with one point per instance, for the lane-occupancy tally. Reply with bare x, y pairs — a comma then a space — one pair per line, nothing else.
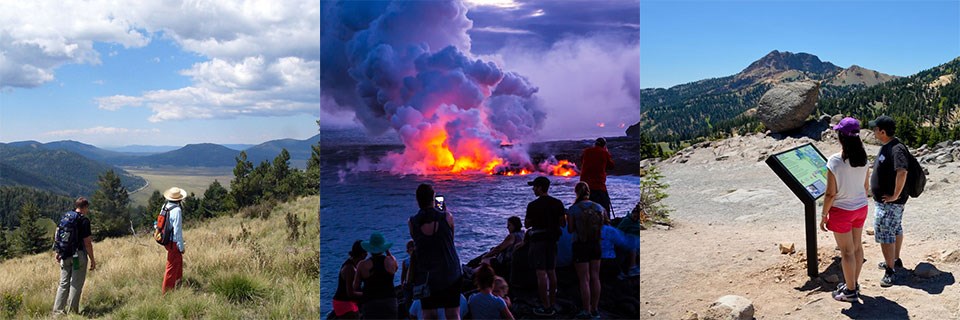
848, 126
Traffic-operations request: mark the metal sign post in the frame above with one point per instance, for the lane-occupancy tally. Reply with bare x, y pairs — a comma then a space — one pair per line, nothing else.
804, 170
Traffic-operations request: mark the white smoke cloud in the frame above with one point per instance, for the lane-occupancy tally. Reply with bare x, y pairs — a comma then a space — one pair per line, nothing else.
583, 81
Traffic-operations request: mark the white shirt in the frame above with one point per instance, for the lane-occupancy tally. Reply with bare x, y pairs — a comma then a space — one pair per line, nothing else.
850, 193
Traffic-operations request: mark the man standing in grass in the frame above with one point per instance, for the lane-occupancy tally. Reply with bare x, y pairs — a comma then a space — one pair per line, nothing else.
174, 271
73, 268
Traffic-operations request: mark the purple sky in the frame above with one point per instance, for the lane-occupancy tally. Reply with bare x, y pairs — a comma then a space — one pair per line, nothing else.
582, 55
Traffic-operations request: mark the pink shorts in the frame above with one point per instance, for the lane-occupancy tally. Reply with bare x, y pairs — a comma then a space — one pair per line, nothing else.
342, 307
842, 221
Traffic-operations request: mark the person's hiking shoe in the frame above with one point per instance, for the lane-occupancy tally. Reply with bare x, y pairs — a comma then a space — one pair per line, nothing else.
888, 278
544, 312
583, 315
846, 295
897, 264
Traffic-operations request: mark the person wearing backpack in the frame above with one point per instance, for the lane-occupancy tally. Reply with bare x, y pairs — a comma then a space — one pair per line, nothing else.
73, 246
585, 221
888, 185
174, 269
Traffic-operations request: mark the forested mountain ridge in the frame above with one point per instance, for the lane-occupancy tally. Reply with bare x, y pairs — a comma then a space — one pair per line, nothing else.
703, 107
58, 171
926, 105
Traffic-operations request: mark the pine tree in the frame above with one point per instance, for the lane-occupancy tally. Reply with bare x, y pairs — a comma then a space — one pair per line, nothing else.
4, 245
283, 186
109, 204
241, 187
30, 237
312, 175
216, 199
155, 203
652, 192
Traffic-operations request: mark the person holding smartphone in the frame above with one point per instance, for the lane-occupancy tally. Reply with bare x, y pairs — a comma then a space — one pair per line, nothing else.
436, 264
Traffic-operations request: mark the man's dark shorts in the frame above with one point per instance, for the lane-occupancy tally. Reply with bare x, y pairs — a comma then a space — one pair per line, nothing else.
543, 255
601, 197
585, 252
447, 298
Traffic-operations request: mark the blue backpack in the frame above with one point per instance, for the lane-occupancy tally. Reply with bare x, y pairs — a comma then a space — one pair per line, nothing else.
67, 239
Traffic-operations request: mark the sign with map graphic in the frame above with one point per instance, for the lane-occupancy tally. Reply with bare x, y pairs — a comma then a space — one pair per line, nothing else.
803, 169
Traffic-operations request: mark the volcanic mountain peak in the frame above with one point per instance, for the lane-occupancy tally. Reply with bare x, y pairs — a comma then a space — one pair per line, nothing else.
777, 61
857, 75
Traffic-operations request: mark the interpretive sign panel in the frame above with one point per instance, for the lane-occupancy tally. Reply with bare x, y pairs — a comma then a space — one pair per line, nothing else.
805, 168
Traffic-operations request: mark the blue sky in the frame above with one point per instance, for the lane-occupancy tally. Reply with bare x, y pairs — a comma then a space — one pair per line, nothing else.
114, 73
684, 41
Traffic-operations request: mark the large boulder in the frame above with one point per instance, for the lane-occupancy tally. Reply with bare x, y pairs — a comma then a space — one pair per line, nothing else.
786, 106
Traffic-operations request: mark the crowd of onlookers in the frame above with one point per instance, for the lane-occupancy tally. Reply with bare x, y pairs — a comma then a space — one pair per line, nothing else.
431, 278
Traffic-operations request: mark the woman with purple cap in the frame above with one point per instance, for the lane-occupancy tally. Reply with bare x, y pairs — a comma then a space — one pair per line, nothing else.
845, 205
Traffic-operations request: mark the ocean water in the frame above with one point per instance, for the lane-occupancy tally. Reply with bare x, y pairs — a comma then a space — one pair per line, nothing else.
355, 205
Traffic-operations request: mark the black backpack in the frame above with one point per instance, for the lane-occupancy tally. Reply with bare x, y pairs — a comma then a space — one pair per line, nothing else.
916, 177
67, 239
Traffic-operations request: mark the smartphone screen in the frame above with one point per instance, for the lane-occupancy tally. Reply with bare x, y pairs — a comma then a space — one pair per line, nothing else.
440, 205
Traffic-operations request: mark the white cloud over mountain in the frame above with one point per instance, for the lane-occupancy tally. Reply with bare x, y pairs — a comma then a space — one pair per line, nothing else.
262, 56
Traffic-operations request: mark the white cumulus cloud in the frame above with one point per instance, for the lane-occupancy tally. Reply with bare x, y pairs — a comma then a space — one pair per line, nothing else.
262, 57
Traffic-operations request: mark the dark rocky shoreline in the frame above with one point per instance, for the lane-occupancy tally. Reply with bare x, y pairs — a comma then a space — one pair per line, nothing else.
625, 152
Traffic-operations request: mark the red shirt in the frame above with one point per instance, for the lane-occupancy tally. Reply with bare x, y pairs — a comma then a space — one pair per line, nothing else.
594, 163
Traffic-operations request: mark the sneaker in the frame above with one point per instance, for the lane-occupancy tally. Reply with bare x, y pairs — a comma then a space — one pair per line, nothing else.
583, 315
846, 295
544, 312
635, 271
887, 279
896, 264
595, 314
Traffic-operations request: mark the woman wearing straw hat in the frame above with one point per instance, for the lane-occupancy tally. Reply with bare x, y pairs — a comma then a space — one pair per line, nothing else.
174, 271
376, 276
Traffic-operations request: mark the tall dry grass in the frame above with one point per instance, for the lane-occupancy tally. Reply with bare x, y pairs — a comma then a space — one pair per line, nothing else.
233, 268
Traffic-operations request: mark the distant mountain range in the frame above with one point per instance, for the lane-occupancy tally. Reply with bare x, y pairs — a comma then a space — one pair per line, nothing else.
193, 155
694, 109
71, 168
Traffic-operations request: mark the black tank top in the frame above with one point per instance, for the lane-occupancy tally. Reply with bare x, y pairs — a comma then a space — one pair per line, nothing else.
436, 254
342, 285
380, 283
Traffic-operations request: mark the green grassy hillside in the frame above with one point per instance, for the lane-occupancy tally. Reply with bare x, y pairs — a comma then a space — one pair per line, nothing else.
234, 268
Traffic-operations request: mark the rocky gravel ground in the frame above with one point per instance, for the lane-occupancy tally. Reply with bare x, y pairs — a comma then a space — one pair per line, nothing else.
732, 214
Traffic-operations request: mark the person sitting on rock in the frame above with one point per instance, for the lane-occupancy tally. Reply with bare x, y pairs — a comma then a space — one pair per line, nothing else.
502, 289
484, 304
501, 255
845, 205
375, 279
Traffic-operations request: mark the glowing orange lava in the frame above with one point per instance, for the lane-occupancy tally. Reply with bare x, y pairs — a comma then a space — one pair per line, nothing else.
564, 168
